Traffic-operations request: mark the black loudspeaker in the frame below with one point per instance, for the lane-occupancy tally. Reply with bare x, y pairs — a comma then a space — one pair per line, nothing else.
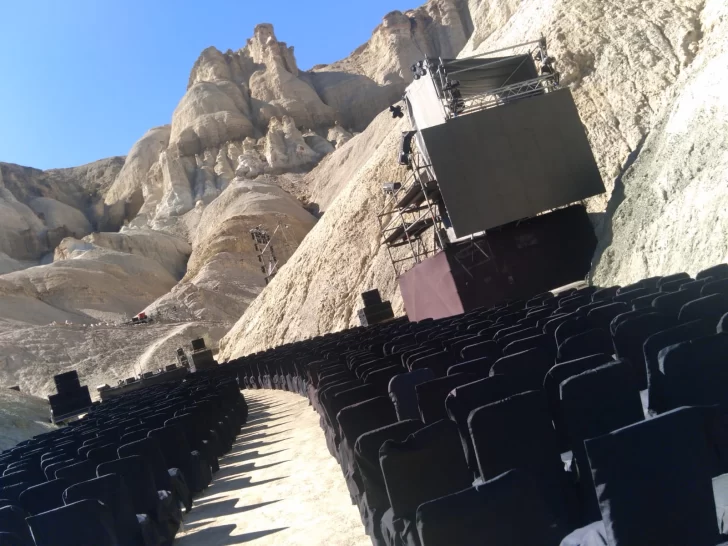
372, 297
376, 314
69, 402
67, 382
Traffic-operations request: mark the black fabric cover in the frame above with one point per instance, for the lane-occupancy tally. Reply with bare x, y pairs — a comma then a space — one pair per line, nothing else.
593, 403
601, 317
515, 433
479, 350
491, 513
695, 372
653, 482
465, 398
12, 520
529, 367
570, 328
178, 454
671, 303
552, 387
671, 278
354, 421
139, 478
380, 379
102, 454
585, 344
438, 362
79, 472
605, 294
661, 340
83, 523
543, 341
374, 500
619, 319
428, 465
480, 367
403, 394
708, 308
715, 287
43, 497
431, 395
719, 271
630, 336
111, 490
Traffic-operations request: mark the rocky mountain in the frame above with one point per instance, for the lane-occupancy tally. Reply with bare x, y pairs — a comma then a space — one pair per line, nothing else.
255, 141
646, 80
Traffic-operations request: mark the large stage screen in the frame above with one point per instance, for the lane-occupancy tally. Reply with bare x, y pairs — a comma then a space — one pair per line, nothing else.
512, 162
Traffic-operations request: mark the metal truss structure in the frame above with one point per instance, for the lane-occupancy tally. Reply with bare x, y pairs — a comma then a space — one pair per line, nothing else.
263, 243
410, 217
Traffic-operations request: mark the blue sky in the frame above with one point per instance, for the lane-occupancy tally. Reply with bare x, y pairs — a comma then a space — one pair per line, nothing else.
84, 79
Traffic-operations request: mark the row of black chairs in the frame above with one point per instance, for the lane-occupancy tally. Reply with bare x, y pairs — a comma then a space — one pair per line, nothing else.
591, 416
121, 475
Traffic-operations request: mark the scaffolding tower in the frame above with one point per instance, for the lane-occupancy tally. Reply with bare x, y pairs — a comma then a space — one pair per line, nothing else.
262, 241
409, 212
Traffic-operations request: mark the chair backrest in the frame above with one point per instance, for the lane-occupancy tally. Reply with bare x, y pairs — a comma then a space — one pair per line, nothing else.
403, 394
431, 395
150, 451
83, 522
515, 433
465, 398
719, 271
708, 308
571, 327
598, 401
366, 458
346, 398
694, 372
661, 340
134, 436
111, 490
174, 445
594, 403
12, 492
619, 319
379, 379
479, 367
479, 350
438, 362
552, 386
427, 465
355, 420
103, 453
12, 520
715, 287
490, 513
653, 481
605, 294
138, 477
43, 497
630, 336
671, 302
670, 278
79, 472
530, 367
585, 344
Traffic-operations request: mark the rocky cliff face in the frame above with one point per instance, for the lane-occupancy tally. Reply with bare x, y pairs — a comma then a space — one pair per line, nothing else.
646, 81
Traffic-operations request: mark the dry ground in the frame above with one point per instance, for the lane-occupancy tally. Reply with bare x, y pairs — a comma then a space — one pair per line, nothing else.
279, 484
